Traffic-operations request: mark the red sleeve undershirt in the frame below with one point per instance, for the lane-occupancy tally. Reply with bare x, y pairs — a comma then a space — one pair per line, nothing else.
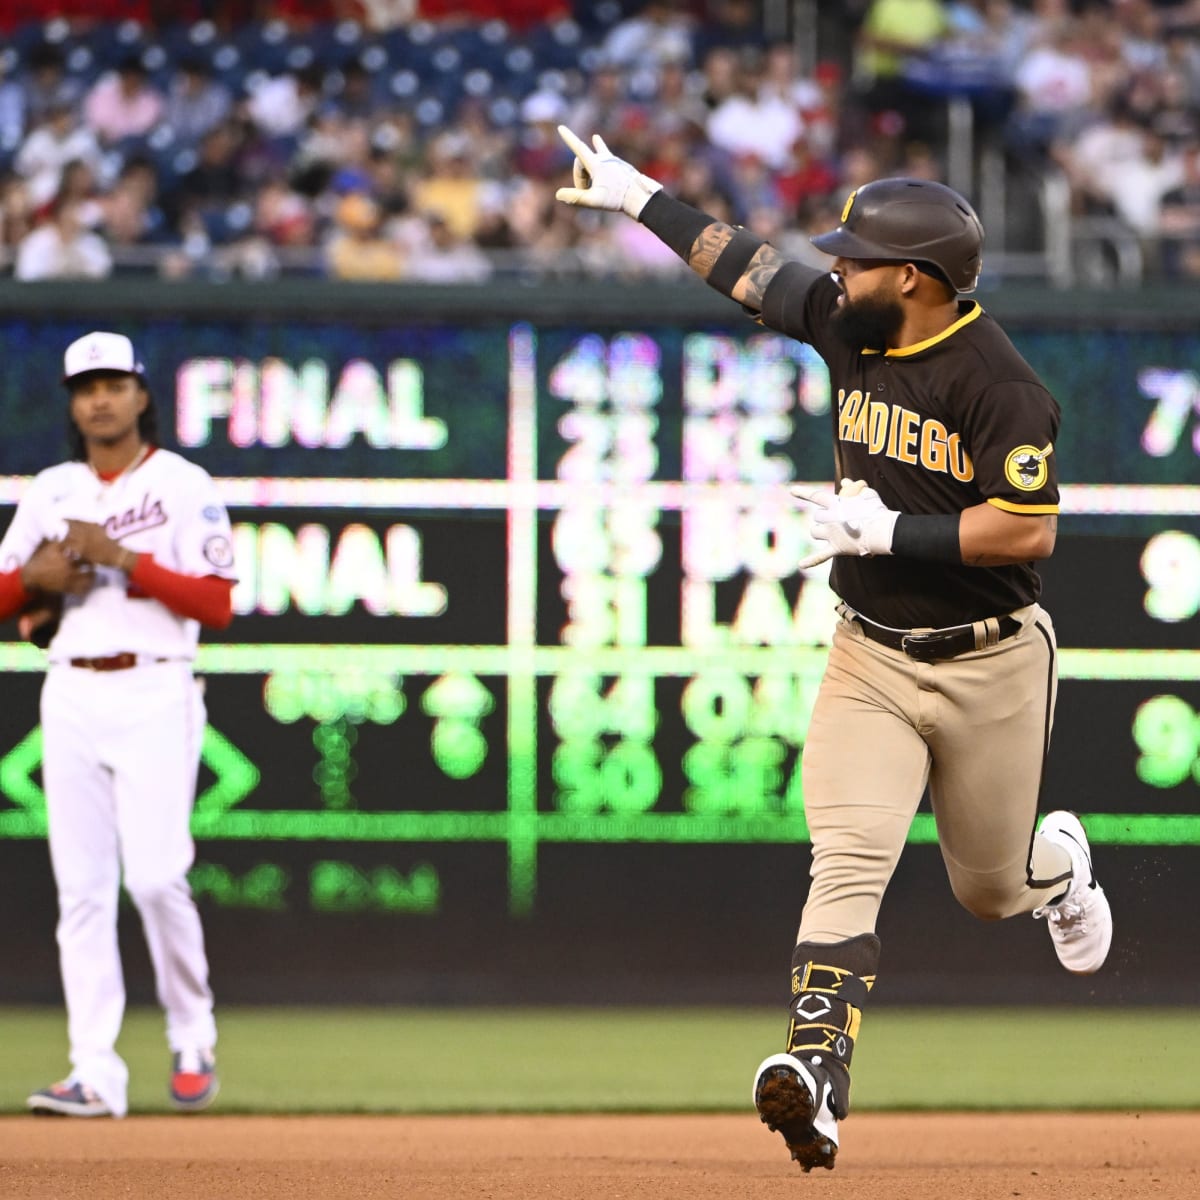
204, 598
12, 593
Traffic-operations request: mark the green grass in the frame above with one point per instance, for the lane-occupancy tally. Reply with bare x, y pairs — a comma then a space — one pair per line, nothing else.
636, 1060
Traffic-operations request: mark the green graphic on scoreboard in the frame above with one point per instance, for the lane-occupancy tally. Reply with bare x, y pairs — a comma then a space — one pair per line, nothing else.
741, 715
234, 778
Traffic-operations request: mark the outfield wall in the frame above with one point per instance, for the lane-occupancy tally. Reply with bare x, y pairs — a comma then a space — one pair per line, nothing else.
513, 705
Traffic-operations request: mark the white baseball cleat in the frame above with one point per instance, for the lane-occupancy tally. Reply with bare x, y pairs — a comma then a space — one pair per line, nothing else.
794, 1098
1080, 923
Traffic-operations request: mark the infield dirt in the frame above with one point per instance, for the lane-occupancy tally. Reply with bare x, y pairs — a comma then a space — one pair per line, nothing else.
928, 1156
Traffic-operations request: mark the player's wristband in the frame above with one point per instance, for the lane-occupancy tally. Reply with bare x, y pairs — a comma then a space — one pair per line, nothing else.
675, 223
732, 262
932, 538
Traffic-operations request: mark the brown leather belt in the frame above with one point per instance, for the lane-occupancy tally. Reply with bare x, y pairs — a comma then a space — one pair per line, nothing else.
112, 662
935, 644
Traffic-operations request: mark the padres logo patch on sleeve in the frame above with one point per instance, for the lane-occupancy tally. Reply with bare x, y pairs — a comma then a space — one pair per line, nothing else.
1025, 467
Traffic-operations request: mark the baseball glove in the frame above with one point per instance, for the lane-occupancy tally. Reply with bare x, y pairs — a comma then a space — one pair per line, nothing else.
37, 621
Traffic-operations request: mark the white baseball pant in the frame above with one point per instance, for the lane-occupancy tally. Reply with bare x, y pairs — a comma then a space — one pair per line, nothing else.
121, 750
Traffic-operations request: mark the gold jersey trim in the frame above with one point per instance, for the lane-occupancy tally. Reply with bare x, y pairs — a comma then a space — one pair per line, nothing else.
975, 311
1023, 509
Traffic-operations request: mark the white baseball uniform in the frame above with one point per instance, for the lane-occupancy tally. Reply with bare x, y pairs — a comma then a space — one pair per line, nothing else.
121, 750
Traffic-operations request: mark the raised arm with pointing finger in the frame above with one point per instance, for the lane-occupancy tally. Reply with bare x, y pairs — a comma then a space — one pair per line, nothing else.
735, 262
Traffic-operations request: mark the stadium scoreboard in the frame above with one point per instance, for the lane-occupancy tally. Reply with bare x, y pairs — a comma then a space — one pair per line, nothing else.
506, 585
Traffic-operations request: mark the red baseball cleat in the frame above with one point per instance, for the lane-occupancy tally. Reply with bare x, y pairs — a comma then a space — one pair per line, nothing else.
194, 1083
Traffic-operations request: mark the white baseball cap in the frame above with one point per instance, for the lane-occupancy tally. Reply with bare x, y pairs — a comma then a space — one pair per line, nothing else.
101, 352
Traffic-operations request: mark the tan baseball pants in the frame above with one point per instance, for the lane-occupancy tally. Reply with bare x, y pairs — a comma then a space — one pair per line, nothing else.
975, 729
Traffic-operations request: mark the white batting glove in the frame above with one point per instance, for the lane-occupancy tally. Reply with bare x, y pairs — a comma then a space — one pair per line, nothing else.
602, 180
854, 521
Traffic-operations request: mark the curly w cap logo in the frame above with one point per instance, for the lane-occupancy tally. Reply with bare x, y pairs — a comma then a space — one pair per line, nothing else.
848, 205
1025, 467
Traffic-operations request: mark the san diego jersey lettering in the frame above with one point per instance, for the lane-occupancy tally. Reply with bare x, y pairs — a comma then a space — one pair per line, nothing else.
937, 427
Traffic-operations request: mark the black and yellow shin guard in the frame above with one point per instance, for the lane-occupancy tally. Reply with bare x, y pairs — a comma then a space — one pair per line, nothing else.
830, 983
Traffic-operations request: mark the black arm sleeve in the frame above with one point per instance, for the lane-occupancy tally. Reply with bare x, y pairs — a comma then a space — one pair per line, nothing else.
676, 224
933, 538
732, 262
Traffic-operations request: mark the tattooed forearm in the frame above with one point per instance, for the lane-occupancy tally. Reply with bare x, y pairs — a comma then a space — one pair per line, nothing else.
746, 286
749, 289
763, 266
708, 246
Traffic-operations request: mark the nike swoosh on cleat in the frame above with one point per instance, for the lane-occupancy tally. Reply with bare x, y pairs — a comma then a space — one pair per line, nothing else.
1087, 857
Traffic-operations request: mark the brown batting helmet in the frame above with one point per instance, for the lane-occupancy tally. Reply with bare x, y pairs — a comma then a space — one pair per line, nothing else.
910, 220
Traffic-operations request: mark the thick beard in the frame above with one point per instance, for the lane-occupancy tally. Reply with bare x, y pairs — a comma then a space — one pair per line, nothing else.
868, 323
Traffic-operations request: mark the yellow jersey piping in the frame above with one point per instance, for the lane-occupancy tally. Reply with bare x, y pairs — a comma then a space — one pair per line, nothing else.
904, 351
1023, 509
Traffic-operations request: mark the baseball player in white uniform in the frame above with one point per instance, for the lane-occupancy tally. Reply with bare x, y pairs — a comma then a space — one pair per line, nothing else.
119, 556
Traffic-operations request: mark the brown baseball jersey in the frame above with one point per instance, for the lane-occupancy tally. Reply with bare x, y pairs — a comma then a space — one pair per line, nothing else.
936, 427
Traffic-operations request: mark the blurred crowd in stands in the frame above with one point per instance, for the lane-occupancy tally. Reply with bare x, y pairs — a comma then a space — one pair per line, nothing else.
416, 140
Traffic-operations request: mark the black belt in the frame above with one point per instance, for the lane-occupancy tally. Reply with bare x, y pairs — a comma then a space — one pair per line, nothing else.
939, 643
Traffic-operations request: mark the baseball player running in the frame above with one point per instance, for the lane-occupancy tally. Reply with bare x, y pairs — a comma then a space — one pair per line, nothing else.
116, 558
942, 669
